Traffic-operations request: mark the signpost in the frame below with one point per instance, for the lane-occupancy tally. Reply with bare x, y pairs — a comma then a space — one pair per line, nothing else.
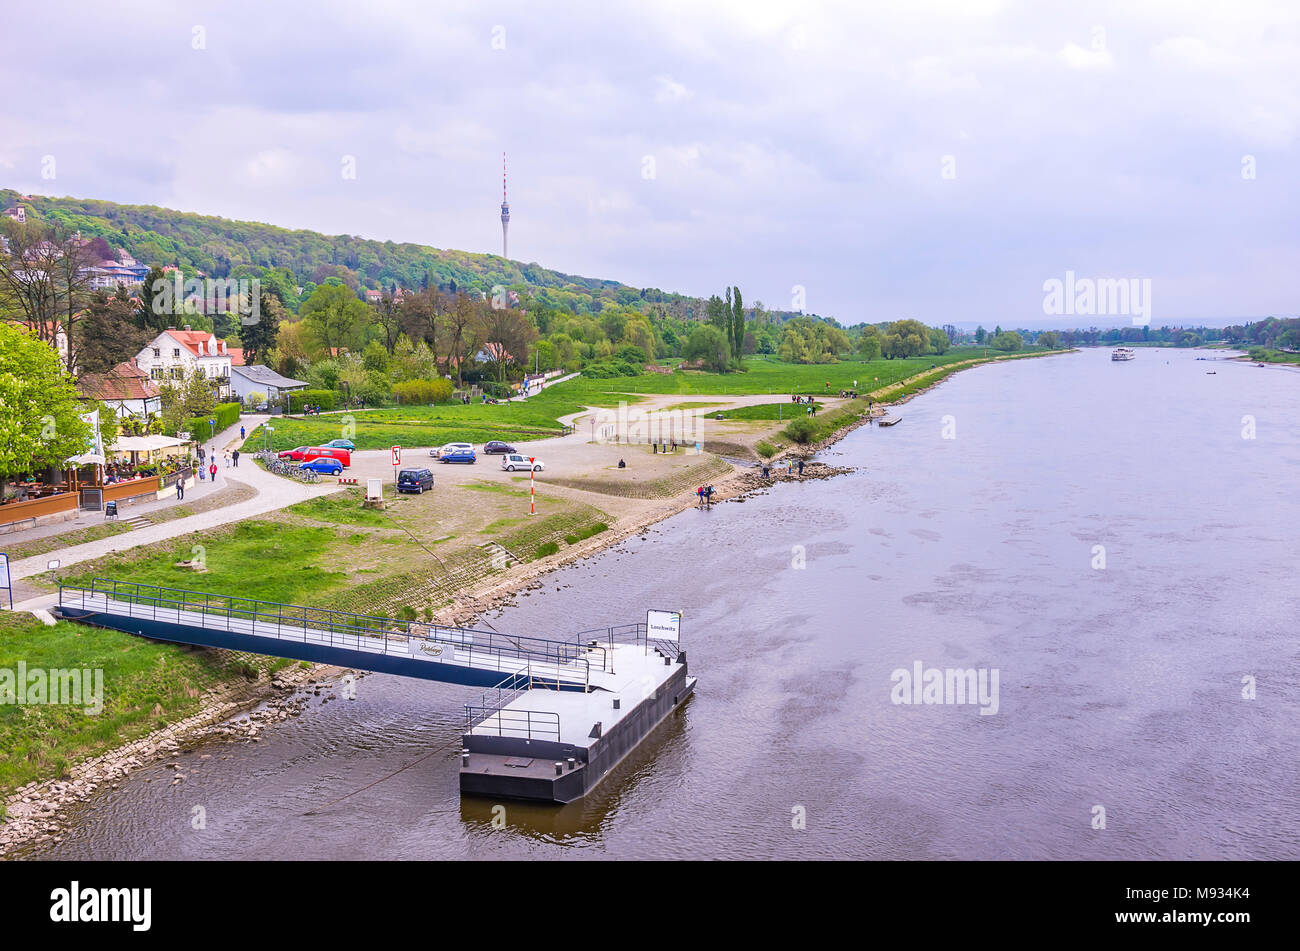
663, 625
532, 471
397, 461
4, 579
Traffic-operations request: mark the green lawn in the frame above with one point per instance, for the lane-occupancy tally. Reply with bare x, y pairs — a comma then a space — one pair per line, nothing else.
146, 685
780, 410
423, 425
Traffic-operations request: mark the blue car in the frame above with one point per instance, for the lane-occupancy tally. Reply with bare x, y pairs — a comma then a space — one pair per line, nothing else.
325, 466
460, 455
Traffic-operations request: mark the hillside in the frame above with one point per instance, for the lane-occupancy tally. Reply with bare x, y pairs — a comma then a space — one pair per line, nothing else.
219, 247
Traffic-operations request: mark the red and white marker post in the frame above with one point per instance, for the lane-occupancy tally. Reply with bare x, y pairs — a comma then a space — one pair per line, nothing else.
397, 461
532, 503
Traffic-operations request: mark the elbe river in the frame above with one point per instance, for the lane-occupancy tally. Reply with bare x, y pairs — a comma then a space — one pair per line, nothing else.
1117, 540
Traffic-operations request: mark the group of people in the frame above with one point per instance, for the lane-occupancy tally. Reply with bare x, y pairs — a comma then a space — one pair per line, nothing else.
310, 409
796, 398
849, 394
790, 467
705, 494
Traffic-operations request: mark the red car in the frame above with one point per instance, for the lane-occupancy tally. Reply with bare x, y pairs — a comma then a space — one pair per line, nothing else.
308, 453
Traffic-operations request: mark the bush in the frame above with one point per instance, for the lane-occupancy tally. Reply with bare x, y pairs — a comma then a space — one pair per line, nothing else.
801, 431
549, 548
422, 392
325, 399
226, 414
765, 449
607, 369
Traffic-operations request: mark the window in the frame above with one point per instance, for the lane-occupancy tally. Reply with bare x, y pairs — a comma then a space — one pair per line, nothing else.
156, 373
157, 352
176, 353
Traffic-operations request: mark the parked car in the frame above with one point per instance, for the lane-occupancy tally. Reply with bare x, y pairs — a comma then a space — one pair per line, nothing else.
347, 444
324, 465
451, 447
496, 447
458, 455
308, 453
512, 461
414, 480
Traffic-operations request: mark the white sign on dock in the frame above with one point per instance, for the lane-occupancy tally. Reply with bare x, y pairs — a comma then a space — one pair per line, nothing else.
663, 625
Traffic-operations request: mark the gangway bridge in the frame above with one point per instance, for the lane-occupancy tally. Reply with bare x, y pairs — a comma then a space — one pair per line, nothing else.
641, 679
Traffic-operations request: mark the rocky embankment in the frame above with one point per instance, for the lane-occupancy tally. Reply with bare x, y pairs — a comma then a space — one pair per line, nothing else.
37, 813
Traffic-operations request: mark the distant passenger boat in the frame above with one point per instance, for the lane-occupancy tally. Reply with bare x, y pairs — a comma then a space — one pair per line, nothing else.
1122, 353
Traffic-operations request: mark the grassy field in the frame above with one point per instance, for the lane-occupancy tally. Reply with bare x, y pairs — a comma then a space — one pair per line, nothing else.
423, 425
778, 411
1273, 356
146, 685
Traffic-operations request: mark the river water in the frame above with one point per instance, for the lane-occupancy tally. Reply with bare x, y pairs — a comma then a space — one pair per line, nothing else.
1119, 687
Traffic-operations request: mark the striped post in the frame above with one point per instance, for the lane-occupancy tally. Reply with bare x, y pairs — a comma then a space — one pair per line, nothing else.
532, 503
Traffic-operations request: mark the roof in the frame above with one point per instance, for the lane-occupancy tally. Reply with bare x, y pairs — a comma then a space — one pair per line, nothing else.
126, 381
145, 443
236, 356
191, 339
267, 377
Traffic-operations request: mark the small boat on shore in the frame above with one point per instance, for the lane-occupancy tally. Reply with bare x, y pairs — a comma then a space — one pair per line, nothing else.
889, 420
1120, 354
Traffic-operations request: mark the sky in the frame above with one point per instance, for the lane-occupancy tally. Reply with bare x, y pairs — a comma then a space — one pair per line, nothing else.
935, 159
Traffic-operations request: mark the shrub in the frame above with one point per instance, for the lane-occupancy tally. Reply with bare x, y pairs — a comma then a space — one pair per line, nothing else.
422, 392
801, 431
226, 414
586, 533
765, 449
549, 548
325, 399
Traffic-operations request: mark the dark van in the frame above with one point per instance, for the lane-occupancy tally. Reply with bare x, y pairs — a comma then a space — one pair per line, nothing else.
414, 480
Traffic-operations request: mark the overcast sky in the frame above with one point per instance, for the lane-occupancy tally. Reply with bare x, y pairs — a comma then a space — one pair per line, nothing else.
937, 159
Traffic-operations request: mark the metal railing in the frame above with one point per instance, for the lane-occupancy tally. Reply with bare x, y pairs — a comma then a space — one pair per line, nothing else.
529, 724
544, 662
631, 634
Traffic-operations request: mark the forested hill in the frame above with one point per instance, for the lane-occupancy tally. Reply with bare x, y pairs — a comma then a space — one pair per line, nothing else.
219, 247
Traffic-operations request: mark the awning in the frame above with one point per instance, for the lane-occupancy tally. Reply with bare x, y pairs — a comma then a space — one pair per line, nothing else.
146, 443
87, 459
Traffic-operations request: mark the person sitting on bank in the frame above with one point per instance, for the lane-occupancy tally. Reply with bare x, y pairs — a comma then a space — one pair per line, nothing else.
622, 464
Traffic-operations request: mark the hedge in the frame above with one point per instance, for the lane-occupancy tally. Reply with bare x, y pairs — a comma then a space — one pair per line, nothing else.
422, 392
226, 414
325, 399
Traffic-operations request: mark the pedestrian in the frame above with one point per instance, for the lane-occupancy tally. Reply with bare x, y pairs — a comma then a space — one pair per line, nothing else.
200, 453
241, 432
226, 455
801, 467
180, 488
766, 474
699, 494
235, 456
212, 470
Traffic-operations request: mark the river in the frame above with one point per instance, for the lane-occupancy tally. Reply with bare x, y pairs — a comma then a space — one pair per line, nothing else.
1119, 687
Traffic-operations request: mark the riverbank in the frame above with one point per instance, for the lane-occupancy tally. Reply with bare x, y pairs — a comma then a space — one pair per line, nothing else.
36, 808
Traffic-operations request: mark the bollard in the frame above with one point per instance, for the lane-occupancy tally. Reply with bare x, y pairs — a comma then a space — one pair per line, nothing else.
571, 762
559, 769
464, 757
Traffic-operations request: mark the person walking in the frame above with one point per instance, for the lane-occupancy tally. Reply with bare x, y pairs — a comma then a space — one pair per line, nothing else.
212, 470
235, 455
226, 455
699, 494
801, 467
180, 488
241, 432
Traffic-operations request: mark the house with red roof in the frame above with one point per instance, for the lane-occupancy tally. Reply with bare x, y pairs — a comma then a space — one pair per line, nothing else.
178, 354
126, 389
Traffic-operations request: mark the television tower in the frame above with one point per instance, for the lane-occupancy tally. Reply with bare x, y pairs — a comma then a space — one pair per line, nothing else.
505, 212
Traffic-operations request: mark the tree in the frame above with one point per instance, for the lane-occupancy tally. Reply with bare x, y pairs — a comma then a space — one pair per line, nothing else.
107, 334
905, 338
939, 341
718, 313
708, 344
40, 422
183, 400
259, 335
980, 334
737, 340
43, 280
333, 317
1010, 340
1050, 339
869, 343
462, 322
506, 336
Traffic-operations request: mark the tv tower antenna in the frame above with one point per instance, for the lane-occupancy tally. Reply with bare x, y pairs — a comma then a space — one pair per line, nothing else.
505, 212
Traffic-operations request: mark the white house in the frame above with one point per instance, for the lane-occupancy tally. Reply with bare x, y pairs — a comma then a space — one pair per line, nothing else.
260, 379
175, 354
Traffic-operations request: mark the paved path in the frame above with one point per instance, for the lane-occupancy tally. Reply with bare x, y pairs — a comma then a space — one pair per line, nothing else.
273, 492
